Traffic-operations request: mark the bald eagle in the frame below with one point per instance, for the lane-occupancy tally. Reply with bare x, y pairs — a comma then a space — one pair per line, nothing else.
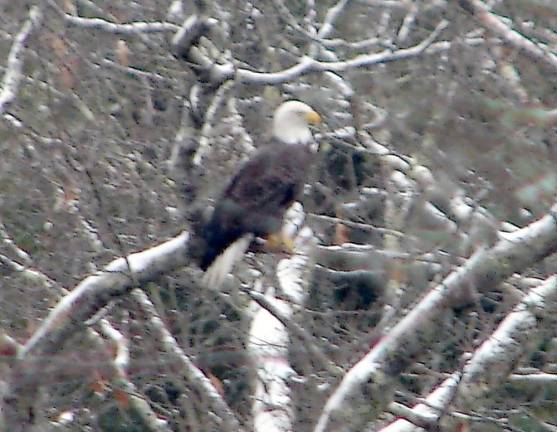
259, 193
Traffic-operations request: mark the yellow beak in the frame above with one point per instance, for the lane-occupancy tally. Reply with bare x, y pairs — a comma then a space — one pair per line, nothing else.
313, 118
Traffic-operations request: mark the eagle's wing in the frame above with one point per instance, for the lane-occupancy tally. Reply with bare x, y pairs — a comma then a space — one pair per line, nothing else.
271, 181
253, 203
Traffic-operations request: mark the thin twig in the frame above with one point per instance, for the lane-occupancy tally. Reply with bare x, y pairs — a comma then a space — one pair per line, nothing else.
12, 77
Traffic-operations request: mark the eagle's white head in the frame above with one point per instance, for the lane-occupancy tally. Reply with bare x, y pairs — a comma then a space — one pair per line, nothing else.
291, 122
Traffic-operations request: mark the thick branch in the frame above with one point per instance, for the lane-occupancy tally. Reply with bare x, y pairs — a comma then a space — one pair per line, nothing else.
375, 375
268, 337
294, 329
517, 335
94, 292
69, 316
491, 364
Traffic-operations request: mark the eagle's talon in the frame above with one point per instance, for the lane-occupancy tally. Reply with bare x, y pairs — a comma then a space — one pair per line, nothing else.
279, 243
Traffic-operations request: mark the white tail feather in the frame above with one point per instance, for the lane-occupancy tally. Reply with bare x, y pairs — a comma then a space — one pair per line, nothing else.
222, 265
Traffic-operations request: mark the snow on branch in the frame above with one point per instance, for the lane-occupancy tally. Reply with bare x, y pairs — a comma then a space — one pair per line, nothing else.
376, 373
295, 330
6, 239
495, 25
12, 77
122, 351
268, 347
537, 380
185, 41
517, 335
269, 337
116, 367
493, 361
94, 292
430, 409
308, 65
75, 308
135, 28
330, 18
8, 265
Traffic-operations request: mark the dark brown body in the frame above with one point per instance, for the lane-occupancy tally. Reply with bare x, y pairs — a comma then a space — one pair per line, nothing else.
257, 197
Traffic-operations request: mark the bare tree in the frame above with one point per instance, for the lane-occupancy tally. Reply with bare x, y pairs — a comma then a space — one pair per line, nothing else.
421, 291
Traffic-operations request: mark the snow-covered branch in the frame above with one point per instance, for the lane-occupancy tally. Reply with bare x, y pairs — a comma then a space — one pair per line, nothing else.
7, 240
308, 65
186, 38
533, 379
269, 337
376, 372
94, 292
294, 329
268, 346
12, 76
537, 52
494, 360
330, 18
517, 335
28, 273
75, 308
135, 28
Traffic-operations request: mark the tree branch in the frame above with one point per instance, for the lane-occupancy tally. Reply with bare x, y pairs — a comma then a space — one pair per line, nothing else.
192, 375
94, 292
377, 372
269, 336
12, 77
136, 404
70, 315
493, 361
495, 25
308, 65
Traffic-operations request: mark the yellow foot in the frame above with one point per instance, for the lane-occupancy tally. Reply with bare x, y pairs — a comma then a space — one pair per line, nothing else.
279, 243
